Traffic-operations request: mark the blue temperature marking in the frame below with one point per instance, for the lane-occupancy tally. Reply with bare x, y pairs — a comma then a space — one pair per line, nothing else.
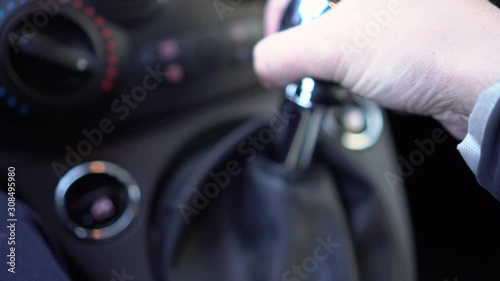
24, 110
3, 91
11, 5
2, 14
11, 102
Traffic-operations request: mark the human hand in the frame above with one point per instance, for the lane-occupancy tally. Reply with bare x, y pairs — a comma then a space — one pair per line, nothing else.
427, 57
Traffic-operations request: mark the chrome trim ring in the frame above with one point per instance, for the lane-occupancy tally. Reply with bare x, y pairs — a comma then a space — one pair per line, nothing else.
98, 167
357, 141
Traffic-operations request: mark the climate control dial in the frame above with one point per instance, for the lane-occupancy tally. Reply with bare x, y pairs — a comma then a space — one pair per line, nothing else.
56, 56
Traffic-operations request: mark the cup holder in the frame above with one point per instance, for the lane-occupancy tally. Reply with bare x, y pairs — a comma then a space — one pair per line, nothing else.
97, 200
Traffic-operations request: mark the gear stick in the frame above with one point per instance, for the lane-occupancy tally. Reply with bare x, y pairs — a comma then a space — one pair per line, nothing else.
309, 98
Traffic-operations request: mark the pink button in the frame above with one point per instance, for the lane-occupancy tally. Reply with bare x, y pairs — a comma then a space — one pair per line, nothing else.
175, 73
168, 49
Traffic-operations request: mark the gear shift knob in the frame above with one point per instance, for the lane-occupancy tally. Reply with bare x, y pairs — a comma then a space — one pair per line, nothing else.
310, 98
303, 11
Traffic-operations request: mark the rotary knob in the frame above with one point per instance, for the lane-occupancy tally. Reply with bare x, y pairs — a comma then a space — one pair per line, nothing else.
57, 56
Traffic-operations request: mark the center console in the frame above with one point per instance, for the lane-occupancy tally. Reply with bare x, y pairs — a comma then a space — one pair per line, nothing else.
115, 112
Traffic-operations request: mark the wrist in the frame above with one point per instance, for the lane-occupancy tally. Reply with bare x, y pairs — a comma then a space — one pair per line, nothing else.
468, 64
483, 63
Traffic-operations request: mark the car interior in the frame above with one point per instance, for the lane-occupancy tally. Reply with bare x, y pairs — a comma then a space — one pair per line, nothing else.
144, 141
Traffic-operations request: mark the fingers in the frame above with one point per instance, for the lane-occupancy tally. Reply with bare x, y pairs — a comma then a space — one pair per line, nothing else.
307, 50
272, 15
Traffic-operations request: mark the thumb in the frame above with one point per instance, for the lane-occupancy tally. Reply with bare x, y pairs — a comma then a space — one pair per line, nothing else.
309, 50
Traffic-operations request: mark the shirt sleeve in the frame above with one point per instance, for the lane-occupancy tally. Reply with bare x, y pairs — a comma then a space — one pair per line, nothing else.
482, 138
